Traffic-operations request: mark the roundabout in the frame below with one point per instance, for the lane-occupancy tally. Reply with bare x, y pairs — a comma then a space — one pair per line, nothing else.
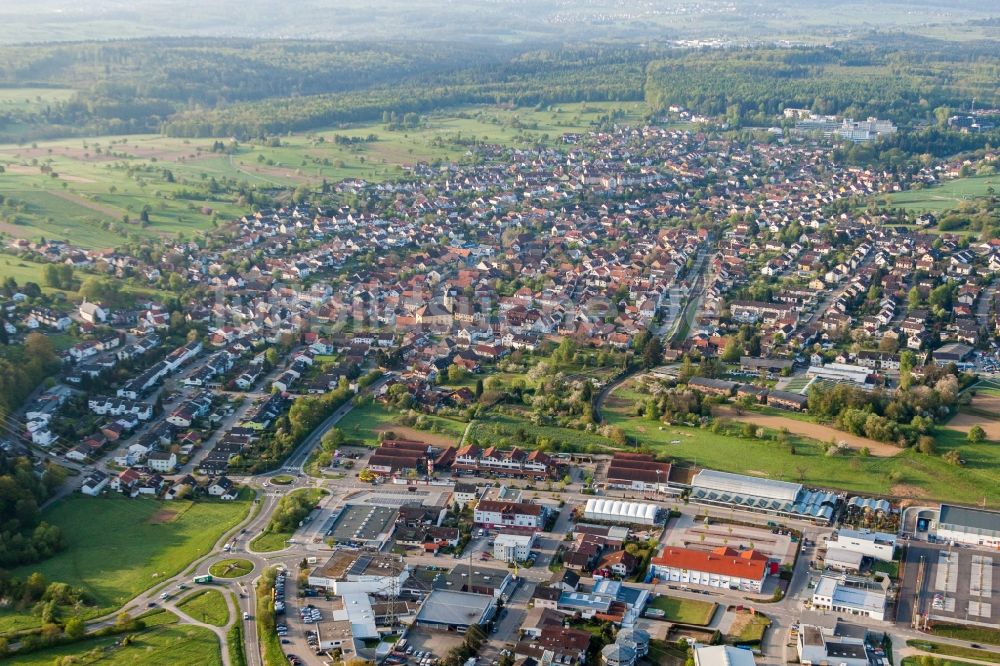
231, 568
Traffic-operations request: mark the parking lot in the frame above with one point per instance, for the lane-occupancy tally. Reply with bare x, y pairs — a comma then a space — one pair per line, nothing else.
958, 584
684, 532
436, 643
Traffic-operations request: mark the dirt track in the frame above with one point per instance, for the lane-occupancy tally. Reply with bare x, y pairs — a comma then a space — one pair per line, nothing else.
806, 429
432, 438
985, 404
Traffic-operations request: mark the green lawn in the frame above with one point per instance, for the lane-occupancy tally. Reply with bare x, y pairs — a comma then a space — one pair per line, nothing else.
947, 196
954, 650
505, 430
209, 606
967, 633
684, 611
231, 568
118, 547
363, 423
166, 644
752, 632
906, 474
934, 661
162, 643
271, 540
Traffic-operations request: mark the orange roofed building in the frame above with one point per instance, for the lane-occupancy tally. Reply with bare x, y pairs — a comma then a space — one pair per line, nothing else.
722, 567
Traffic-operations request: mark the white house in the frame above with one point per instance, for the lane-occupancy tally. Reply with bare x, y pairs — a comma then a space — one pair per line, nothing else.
223, 488
94, 484
161, 461
92, 313
513, 547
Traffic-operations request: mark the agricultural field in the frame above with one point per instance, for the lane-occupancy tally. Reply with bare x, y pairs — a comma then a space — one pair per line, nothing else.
162, 643
947, 196
32, 100
208, 606
83, 190
118, 547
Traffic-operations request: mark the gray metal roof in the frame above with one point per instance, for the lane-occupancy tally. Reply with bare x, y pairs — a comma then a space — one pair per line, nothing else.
977, 520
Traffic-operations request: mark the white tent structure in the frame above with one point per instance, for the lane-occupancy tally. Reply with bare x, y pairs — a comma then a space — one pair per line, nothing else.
617, 511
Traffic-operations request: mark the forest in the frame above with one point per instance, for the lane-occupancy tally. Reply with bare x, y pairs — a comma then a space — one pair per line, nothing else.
24, 538
256, 88
902, 79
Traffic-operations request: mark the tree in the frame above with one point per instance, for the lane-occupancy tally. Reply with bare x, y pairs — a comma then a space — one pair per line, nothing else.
976, 434
456, 374
74, 628
652, 355
733, 351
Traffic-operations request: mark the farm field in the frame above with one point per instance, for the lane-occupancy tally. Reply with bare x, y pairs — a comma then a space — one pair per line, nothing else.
947, 196
207, 606
165, 643
364, 423
83, 190
31, 99
154, 540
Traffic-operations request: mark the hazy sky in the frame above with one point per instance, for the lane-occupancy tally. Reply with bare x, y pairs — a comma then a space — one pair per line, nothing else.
496, 20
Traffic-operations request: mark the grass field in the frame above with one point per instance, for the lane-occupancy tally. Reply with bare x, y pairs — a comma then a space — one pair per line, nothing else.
164, 644
118, 547
271, 540
231, 568
89, 186
363, 424
947, 196
954, 650
967, 633
684, 611
504, 429
209, 606
748, 629
908, 474
31, 99
935, 661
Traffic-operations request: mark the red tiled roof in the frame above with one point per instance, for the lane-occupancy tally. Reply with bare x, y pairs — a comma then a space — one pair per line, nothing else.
725, 561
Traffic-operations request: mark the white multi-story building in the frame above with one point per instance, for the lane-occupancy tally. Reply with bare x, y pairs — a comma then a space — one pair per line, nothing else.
852, 595
877, 545
492, 513
513, 547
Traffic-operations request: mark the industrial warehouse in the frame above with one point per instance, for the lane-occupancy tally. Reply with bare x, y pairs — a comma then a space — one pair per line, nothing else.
779, 498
